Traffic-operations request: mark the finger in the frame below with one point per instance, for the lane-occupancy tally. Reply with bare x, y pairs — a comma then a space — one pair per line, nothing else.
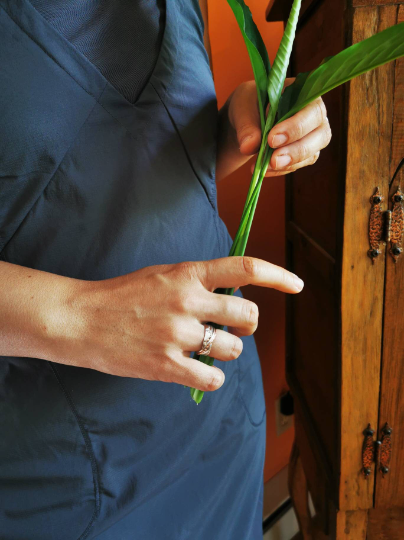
245, 119
225, 346
310, 161
190, 372
303, 149
300, 124
230, 311
239, 271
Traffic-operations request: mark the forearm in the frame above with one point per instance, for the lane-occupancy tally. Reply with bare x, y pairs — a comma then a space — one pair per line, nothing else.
33, 311
229, 157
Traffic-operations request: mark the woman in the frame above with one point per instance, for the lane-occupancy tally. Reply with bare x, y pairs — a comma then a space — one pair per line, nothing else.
111, 247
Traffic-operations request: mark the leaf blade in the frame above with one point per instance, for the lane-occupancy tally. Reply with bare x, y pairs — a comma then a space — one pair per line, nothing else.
277, 75
256, 50
357, 59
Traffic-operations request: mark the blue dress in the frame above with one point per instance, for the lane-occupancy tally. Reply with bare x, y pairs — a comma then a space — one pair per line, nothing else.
93, 186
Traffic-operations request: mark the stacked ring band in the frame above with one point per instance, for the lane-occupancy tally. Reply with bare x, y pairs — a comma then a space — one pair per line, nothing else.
208, 339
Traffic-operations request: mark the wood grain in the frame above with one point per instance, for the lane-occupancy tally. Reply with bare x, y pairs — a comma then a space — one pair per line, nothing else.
359, 3
313, 205
390, 489
397, 153
368, 163
318, 483
386, 524
298, 490
352, 525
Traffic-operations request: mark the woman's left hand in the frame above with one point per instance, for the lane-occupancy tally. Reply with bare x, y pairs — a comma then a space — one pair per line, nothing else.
297, 141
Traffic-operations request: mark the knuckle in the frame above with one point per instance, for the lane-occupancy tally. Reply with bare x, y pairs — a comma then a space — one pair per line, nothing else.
302, 152
163, 370
236, 348
187, 269
179, 303
172, 334
297, 130
249, 266
251, 313
320, 111
185, 302
245, 130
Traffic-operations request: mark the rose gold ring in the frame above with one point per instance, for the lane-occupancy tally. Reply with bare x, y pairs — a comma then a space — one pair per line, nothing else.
208, 339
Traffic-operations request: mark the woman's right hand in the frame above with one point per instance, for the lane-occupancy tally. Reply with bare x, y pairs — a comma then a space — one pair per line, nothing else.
145, 324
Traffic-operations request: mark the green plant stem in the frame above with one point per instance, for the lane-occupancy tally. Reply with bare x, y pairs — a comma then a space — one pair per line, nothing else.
240, 242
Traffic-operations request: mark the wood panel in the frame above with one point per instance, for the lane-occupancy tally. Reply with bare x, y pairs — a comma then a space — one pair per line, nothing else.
368, 163
315, 190
279, 10
352, 525
313, 366
358, 3
312, 214
317, 482
390, 489
386, 524
397, 151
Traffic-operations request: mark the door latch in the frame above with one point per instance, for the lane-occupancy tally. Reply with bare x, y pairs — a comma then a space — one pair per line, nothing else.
376, 451
387, 226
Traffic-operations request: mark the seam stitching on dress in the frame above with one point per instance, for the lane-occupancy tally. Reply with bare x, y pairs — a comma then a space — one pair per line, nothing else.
3, 246
32, 38
87, 442
184, 148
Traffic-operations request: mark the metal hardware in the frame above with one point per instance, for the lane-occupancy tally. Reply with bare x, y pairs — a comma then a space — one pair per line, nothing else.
368, 451
376, 451
385, 450
397, 225
375, 224
386, 226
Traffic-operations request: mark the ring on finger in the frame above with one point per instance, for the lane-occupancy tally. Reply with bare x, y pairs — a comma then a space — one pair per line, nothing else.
208, 339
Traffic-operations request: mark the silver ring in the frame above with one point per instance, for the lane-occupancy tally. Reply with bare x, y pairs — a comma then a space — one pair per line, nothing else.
208, 339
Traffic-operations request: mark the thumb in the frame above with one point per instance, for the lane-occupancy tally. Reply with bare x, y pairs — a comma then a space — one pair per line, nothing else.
245, 119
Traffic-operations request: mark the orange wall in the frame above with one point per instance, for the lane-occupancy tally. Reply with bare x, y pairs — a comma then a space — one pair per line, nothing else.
231, 66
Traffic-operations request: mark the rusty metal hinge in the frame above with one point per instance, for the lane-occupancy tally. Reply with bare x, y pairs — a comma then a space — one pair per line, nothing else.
386, 226
376, 451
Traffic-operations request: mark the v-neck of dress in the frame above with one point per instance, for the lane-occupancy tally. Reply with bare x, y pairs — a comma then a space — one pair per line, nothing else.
78, 66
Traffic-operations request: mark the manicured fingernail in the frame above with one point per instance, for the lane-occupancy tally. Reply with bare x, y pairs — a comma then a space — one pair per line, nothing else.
279, 139
282, 161
298, 283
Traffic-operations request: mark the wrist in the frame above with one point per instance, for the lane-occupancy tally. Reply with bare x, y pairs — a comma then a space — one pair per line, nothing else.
61, 324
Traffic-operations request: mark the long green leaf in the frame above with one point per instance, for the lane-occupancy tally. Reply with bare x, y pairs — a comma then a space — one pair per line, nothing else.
277, 76
344, 66
256, 51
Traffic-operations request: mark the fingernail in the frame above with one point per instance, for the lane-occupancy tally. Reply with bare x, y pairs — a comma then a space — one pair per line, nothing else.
279, 139
219, 379
282, 161
298, 283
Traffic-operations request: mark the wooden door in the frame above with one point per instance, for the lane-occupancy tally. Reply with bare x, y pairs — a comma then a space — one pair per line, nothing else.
315, 201
387, 519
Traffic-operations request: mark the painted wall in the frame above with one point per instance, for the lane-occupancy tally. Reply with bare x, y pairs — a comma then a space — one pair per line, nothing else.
231, 67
